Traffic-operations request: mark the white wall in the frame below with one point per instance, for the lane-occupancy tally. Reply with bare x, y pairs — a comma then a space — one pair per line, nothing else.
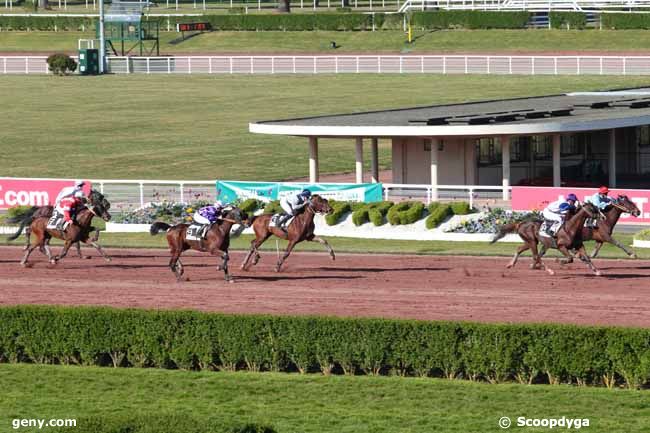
412, 163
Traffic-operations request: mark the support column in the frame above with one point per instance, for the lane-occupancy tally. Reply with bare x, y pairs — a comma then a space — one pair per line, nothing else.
434, 168
557, 166
505, 162
359, 160
313, 160
612, 158
470, 162
374, 161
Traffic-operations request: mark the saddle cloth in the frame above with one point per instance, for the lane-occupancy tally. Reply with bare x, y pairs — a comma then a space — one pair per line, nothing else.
196, 232
544, 227
56, 221
275, 219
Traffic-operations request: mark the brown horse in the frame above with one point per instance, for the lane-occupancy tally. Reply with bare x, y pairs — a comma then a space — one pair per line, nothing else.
569, 238
75, 233
603, 231
217, 240
34, 212
300, 229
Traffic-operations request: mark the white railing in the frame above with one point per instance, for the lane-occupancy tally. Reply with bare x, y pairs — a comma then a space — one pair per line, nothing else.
429, 193
609, 6
452, 64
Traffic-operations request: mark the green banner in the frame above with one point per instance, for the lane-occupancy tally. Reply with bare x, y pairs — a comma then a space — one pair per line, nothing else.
229, 191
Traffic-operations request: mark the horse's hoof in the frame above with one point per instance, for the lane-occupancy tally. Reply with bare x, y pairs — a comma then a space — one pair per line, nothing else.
219, 267
598, 273
277, 269
108, 259
87, 257
633, 256
509, 265
231, 280
550, 271
333, 257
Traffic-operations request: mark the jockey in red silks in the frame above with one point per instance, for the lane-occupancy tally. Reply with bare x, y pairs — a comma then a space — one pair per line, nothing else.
68, 206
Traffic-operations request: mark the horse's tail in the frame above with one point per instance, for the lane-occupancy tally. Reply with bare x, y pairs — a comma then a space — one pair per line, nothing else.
158, 227
24, 219
504, 230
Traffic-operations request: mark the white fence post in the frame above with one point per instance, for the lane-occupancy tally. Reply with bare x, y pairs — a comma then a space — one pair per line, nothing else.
141, 194
189, 65
510, 64
210, 65
624, 65
471, 198
27, 65
148, 67
230, 58
466, 64
4, 67
182, 196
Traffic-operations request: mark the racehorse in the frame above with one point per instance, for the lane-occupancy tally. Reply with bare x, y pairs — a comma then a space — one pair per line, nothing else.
569, 237
217, 240
603, 231
34, 212
77, 232
300, 229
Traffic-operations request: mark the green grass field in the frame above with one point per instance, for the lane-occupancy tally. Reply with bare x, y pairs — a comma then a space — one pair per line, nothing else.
310, 403
389, 41
196, 127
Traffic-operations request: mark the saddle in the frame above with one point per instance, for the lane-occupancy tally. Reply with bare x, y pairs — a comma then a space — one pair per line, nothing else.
276, 218
197, 232
56, 221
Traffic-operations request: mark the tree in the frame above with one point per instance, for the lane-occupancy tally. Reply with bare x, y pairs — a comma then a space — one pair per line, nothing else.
61, 64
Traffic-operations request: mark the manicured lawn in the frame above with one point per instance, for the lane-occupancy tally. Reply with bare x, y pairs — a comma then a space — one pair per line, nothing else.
387, 41
311, 403
361, 246
196, 127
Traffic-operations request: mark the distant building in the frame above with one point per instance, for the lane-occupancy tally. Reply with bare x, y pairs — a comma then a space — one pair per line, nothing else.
575, 139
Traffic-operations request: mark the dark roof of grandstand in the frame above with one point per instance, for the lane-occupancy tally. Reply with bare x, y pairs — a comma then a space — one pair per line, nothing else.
578, 111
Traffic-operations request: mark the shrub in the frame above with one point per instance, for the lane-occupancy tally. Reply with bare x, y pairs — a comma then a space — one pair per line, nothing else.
568, 20
339, 209
273, 207
61, 64
438, 216
643, 235
460, 208
470, 20
625, 21
250, 205
405, 213
373, 212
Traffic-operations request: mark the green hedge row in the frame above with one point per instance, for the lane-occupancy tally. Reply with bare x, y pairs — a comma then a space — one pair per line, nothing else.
625, 21
438, 213
373, 212
339, 209
406, 212
527, 353
159, 423
568, 20
469, 20
46, 23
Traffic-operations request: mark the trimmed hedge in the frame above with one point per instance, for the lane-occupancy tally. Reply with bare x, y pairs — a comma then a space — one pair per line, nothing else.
373, 212
46, 23
438, 216
527, 353
460, 208
625, 21
273, 207
469, 20
159, 423
406, 212
250, 205
568, 20
339, 209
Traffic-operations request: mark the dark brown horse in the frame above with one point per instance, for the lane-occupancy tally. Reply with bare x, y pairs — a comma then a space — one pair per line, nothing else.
75, 233
217, 240
603, 231
300, 229
569, 238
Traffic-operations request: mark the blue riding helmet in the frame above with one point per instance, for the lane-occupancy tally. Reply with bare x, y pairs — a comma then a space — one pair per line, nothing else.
305, 193
572, 197
564, 207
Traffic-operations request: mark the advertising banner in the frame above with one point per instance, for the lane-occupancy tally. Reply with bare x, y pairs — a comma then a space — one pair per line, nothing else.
525, 198
32, 192
229, 191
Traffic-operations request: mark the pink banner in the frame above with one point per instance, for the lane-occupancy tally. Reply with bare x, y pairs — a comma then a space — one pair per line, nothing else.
526, 198
32, 192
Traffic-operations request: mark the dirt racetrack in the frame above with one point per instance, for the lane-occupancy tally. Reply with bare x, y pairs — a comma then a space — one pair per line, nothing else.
397, 286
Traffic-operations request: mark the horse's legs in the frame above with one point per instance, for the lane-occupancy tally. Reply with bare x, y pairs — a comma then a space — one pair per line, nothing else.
520, 250
324, 242
255, 244
28, 234
100, 250
29, 250
78, 245
248, 255
285, 255
224, 266
175, 264
585, 258
537, 258
64, 252
611, 240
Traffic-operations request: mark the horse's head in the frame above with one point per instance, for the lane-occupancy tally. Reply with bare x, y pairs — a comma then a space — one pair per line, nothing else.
236, 214
98, 205
320, 204
626, 205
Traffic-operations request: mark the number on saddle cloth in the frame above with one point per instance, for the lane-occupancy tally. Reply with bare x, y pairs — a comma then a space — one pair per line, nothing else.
276, 219
56, 221
197, 232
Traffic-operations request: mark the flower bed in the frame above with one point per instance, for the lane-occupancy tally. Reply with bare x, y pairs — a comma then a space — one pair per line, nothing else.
491, 220
169, 212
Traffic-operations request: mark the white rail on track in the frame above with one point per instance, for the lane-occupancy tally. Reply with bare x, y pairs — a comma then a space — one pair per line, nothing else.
409, 64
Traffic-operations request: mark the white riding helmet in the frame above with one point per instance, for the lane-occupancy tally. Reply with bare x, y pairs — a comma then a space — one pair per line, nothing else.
79, 194
79, 183
218, 203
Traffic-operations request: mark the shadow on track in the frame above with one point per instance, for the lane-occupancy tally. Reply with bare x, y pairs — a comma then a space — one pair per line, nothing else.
376, 270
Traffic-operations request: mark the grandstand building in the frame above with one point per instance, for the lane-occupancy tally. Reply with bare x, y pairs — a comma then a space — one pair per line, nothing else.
574, 139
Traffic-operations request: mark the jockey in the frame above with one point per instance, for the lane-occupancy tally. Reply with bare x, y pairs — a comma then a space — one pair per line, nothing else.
69, 191
556, 212
601, 200
68, 207
209, 214
292, 206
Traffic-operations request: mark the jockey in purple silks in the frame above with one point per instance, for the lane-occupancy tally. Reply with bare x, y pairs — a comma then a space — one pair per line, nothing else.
208, 214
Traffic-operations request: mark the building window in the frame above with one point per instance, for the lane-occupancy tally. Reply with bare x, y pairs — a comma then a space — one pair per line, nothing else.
427, 145
542, 147
488, 152
643, 136
573, 144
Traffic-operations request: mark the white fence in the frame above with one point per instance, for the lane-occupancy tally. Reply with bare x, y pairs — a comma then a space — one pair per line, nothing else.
471, 64
131, 194
612, 6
